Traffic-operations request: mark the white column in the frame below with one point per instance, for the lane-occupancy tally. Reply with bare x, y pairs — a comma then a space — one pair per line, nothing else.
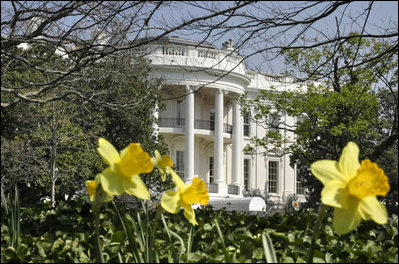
219, 173
237, 169
189, 136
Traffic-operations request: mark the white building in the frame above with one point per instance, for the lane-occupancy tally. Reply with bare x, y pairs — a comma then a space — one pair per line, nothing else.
203, 125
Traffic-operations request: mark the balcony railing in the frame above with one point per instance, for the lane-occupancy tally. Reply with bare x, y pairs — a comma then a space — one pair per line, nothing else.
198, 124
172, 122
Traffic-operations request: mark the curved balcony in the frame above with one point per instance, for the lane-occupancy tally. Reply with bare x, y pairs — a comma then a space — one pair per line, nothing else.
177, 52
198, 124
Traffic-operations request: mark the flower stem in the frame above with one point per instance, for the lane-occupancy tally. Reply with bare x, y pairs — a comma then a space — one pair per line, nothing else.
98, 202
316, 231
100, 258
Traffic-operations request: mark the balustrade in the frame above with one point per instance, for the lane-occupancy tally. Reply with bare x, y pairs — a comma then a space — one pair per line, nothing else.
198, 124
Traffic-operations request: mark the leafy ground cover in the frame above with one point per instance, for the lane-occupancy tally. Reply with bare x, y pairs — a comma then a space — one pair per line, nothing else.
65, 234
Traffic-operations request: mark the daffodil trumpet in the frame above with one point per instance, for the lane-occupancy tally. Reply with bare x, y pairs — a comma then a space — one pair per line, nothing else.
163, 163
351, 188
184, 196
122, 175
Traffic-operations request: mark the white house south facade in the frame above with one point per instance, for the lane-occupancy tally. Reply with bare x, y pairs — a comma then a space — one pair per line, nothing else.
202, 122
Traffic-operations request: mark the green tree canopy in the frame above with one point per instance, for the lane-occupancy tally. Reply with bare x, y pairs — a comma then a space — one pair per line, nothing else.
348, 102
50, 149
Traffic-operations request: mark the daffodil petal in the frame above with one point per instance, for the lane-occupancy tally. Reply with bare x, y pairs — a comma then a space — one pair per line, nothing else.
98, 178
349, 161
189, 214
334, 194
176, 179
346, 219
136, 187
195, 193
134, 160
326, 171
112, 182
371, 208
107, 151
170, 201
157, 155
91, 187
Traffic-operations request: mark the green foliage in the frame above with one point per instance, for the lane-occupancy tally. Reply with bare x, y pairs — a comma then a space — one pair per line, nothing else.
65, 234
11, 209
353, 100
50, 148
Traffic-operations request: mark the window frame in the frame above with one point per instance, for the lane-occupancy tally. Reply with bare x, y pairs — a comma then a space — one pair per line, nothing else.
273, 188
247, 173
179, 112
300, 188
180, 163
247, 124
211, 168
212, 118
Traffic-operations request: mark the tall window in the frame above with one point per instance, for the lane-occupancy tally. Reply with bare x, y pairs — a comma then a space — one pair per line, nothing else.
180, 163
179, 112
212, 119
273, 177
211, 169
300, 188
247, 119
246, 174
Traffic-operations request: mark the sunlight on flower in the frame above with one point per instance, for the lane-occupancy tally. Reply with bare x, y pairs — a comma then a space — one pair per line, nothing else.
185, 196
122, 175
91, 187
351, 188
162, 163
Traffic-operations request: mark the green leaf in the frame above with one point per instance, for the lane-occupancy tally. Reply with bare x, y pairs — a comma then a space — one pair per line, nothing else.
84, 258
258, 253
207, 227
291, 238
268, 249
41, 250
318, 260
56, 244
119, 236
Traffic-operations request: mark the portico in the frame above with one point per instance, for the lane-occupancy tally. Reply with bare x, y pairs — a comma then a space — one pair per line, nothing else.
202, 123
219, 183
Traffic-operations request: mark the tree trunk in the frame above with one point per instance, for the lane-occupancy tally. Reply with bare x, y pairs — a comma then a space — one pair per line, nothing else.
53, 176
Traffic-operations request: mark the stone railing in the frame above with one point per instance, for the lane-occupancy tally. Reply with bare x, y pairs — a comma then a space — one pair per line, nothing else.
198, 124
198, 57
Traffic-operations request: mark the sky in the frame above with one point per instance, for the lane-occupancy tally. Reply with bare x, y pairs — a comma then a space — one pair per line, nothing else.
384, 13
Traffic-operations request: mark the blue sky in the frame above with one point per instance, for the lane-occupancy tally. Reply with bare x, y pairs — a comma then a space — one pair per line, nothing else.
384, 14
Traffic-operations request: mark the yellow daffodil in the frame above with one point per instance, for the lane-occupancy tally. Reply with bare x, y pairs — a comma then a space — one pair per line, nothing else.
91, 187
122, 175
162, 163
185, 196
351, 188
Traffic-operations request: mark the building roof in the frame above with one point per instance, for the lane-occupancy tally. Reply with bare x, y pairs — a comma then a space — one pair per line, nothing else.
180, 41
